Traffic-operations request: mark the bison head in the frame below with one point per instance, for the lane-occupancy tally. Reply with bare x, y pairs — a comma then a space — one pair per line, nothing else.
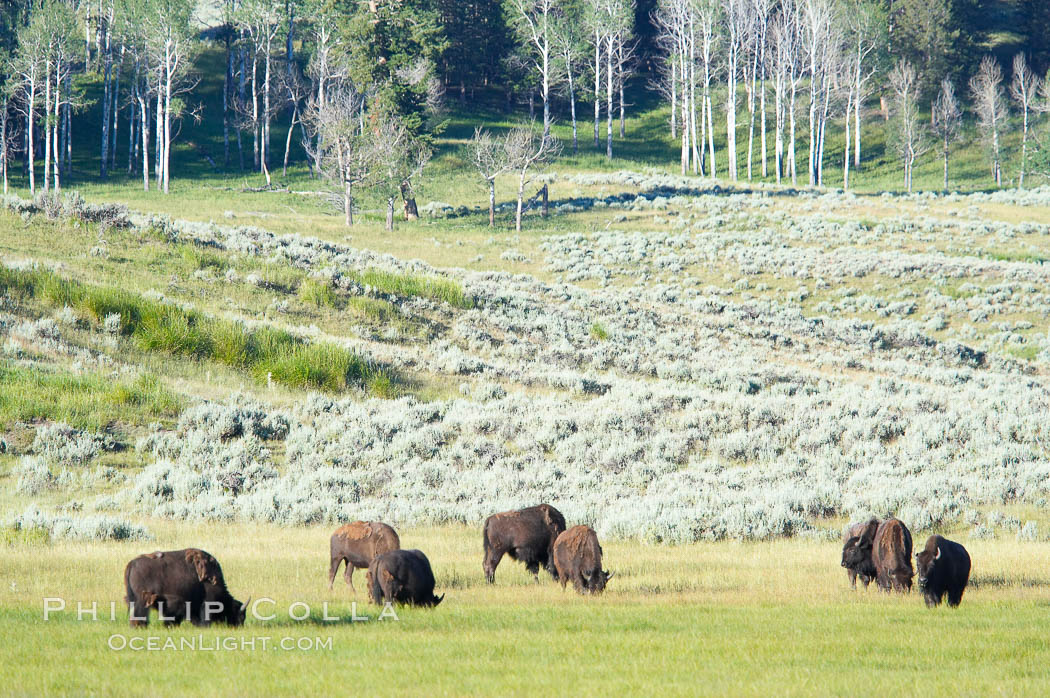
234, 612
926, 562
856, 551
596, 582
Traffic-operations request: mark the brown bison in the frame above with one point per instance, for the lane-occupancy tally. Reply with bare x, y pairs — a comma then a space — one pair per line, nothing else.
180, 584
578, 557
944, 567
402, 576
526, 535
357, 544
891, 554
856, 552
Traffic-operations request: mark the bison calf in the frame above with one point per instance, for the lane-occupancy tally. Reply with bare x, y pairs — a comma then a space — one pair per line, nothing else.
578, 558
180, 584
402, 576
944, 568
856, 552
357, 544
527, 535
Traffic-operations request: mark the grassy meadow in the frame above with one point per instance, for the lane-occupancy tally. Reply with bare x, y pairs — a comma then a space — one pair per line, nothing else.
709, 619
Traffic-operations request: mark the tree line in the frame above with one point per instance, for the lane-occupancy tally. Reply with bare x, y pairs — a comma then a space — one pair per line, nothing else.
362, 85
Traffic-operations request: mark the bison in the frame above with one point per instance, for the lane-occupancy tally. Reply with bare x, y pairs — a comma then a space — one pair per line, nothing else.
856, 552
891, 553
180, 584
402, 576
578, 557
357, 544
944, 567
526, 535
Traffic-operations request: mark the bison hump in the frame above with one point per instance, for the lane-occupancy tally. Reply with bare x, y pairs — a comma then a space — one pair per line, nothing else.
357, 530
207, 567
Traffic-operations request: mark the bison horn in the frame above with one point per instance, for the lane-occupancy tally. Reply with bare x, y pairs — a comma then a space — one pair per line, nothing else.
246, 603
938, 555
608, 575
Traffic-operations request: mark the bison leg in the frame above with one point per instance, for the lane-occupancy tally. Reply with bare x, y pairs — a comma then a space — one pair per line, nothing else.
955, 597
852, 578
333, 569
932, 599
492, 558
171, 611
533, 566
139, 615
348, 575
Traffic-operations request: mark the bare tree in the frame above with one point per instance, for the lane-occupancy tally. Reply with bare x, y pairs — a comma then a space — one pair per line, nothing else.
526, 153
569, 48
533, 20
675, 21
946, 119
339, 148
29, 69
618, 16
398, 159
491, 158
327, 62
261, 20
734, 27
753, 68
909, 133
986, 89
787, 76
1024, 88
820, 41
864, 38
597, 34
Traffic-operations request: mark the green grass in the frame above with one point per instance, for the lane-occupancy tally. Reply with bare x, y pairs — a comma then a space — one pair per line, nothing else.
599, 332
702, 619
405, 285
267, 353
318, 293
88, 400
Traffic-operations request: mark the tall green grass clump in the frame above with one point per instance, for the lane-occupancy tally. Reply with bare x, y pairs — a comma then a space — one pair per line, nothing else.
432, 287
87, 401
318, 293
267, 353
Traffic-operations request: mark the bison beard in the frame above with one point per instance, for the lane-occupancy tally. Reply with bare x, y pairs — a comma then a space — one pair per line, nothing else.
179, 584
578, 558
402, 576
944, 568
357, 544
527, 535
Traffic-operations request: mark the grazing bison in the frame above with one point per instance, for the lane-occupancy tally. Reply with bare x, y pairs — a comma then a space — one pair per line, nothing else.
856, 552
526, 535
180, 584
944, 567
578, 557
357, 544
402, 576
891, 554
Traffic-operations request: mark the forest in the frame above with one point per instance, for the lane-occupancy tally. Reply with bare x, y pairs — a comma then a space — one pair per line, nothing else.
749, 89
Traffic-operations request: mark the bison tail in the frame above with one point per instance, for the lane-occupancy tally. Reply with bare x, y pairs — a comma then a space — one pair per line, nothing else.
485, 541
